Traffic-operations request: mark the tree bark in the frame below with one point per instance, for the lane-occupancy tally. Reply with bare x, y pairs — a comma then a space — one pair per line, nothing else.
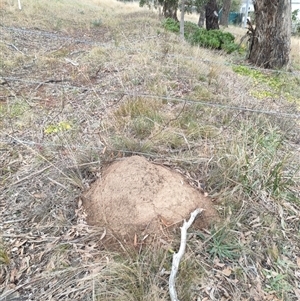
202, 16
271, 42
211, 15
225, 13
182, 19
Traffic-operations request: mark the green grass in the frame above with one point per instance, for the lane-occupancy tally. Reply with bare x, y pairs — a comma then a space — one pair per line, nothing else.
274, 85
223, 245
254, 163
4, 256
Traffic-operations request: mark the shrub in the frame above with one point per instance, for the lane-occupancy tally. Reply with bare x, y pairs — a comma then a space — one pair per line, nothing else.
215, 39
171, 25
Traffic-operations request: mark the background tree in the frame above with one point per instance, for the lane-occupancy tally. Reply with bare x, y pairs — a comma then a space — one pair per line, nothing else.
200, 8
182, 8
211, 15
225, 13
271, 41
235, 5
169, 7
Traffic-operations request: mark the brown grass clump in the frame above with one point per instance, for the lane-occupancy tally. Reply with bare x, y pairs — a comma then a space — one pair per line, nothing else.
84, 84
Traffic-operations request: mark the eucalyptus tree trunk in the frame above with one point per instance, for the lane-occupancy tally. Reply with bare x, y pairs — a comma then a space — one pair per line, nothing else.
182, 19
211, 15
271, 40
202, 15
225, 13
170, 9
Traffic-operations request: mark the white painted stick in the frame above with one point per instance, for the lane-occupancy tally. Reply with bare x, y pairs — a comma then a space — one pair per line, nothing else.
19, 3
177, 256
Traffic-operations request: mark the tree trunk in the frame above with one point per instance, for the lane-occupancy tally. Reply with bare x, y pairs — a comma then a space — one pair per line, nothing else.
182, 20
211, 15
271, 42
225, 13
202, 16
170, 9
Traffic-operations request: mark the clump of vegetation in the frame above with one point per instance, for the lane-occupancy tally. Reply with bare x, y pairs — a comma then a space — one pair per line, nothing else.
215, 39
97, 23
259, 170
275, 84
274, 81
4, 257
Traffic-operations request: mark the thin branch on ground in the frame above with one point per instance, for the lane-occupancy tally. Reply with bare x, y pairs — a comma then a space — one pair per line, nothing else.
177, 256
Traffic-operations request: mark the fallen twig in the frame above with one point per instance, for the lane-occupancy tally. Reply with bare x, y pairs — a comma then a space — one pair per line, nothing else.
177, 256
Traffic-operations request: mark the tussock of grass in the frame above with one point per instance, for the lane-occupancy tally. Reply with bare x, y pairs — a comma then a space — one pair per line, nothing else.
4, 257
256, 171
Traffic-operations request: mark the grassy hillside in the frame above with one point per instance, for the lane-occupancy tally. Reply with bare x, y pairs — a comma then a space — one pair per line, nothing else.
86, 82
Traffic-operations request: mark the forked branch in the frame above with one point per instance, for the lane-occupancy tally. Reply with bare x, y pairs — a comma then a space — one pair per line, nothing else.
177, 256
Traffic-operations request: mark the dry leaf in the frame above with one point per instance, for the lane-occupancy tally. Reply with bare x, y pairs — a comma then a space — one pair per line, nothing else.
217, 263
227, 271
40, 196
273, 252
13, 275
96, 270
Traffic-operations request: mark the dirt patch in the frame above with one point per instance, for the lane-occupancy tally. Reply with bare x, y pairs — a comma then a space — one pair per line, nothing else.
136, 196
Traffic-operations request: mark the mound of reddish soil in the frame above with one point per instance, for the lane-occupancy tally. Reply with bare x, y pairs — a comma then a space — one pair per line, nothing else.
135, 196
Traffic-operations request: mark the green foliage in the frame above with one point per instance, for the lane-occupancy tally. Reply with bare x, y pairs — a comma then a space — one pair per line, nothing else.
15, 109
56, 128
4, 257
235, 5
222, 245
155, 3
295, 15
171, 25
215, 39
189, 28
276, 282
295, 22
276, 83
97, 23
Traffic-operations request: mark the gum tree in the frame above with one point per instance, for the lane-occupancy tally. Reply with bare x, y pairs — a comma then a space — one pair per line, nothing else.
169, 7
225, 13
271, 39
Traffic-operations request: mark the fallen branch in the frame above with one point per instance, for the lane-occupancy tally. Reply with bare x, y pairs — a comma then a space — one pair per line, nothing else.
177, 256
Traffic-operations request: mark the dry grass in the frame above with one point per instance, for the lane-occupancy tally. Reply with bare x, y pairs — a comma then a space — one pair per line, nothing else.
295, 52
113, 83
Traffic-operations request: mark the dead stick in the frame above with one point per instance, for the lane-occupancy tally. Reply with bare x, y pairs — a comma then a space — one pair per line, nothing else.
177, 256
